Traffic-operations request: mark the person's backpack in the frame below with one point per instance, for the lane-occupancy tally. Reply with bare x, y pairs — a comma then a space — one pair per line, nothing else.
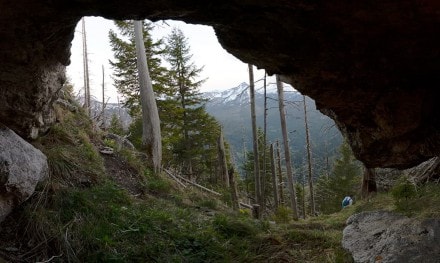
346, 201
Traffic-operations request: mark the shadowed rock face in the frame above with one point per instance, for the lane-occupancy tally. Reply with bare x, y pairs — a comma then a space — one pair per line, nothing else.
373, 67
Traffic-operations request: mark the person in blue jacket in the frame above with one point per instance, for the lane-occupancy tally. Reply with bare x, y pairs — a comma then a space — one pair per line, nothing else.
347, 201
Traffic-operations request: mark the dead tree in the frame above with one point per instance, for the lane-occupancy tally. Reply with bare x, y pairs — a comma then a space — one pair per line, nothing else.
103, 99
368, 182
233, 188
222, 160
151, 137
280, 175
309, 161
290, 180
87, 105
274, 177
264, 172
255, 140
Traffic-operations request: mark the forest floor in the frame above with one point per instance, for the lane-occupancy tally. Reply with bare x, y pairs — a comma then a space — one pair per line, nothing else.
110, 208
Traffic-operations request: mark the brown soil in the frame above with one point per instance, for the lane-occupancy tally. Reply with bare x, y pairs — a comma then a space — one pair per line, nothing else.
124, 175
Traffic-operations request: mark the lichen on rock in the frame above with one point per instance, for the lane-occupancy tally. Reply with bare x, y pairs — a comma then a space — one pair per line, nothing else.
384, 236
21, 168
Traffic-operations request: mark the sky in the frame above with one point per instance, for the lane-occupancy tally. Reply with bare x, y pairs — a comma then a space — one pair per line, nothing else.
221, 69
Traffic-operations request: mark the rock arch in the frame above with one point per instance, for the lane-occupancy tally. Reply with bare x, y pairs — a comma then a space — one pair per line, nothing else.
372, 66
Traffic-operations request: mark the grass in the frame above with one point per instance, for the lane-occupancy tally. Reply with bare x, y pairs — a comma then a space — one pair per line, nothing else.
67, 220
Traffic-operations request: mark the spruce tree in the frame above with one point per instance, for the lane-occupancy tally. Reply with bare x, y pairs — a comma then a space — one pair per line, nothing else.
116, 125
185, 83
344, 180
126, 79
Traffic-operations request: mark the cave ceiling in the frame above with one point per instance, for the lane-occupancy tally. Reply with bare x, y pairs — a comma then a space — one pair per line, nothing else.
373, 66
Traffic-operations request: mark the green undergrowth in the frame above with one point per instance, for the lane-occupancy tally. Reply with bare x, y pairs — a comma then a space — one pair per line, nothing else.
82, 214
70, 149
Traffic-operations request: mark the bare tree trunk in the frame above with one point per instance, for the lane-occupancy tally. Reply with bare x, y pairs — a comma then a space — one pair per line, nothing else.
280, 175
289, 169
327, 164
274, 177
86, 70
255, 140
222, 159
309, 161
233, 188
369, 182
151, 137
246, 175
119, 111
103, 98
264, 174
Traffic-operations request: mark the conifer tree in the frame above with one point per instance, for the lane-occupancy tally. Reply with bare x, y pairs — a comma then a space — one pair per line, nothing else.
125, 74
345, 179
116, 125
184, 82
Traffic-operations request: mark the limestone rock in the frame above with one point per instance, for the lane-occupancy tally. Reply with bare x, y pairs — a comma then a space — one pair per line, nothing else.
21, 167
429, 170
107, 150
387, 237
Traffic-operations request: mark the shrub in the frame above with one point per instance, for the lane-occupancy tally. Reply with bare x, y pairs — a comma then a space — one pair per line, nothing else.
228, 227
402, 193
282, 215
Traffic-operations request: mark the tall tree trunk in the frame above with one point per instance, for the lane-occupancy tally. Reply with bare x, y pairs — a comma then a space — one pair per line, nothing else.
222, 159
290, 180
327, 164
86, 70
309, 161
233, 188
264, 172
119, 110
255, 140
280, 175
103, 99
369, 182
274, 177
151, 138
246, 173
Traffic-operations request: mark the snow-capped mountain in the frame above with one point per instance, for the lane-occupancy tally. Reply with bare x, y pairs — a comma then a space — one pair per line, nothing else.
239, 93
231, 108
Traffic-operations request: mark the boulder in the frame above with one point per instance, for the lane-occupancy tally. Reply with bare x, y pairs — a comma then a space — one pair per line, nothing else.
22, 166
383, 236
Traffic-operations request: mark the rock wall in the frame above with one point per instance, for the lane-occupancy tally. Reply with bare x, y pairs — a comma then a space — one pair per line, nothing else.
386, 237
372, 66
21, 167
